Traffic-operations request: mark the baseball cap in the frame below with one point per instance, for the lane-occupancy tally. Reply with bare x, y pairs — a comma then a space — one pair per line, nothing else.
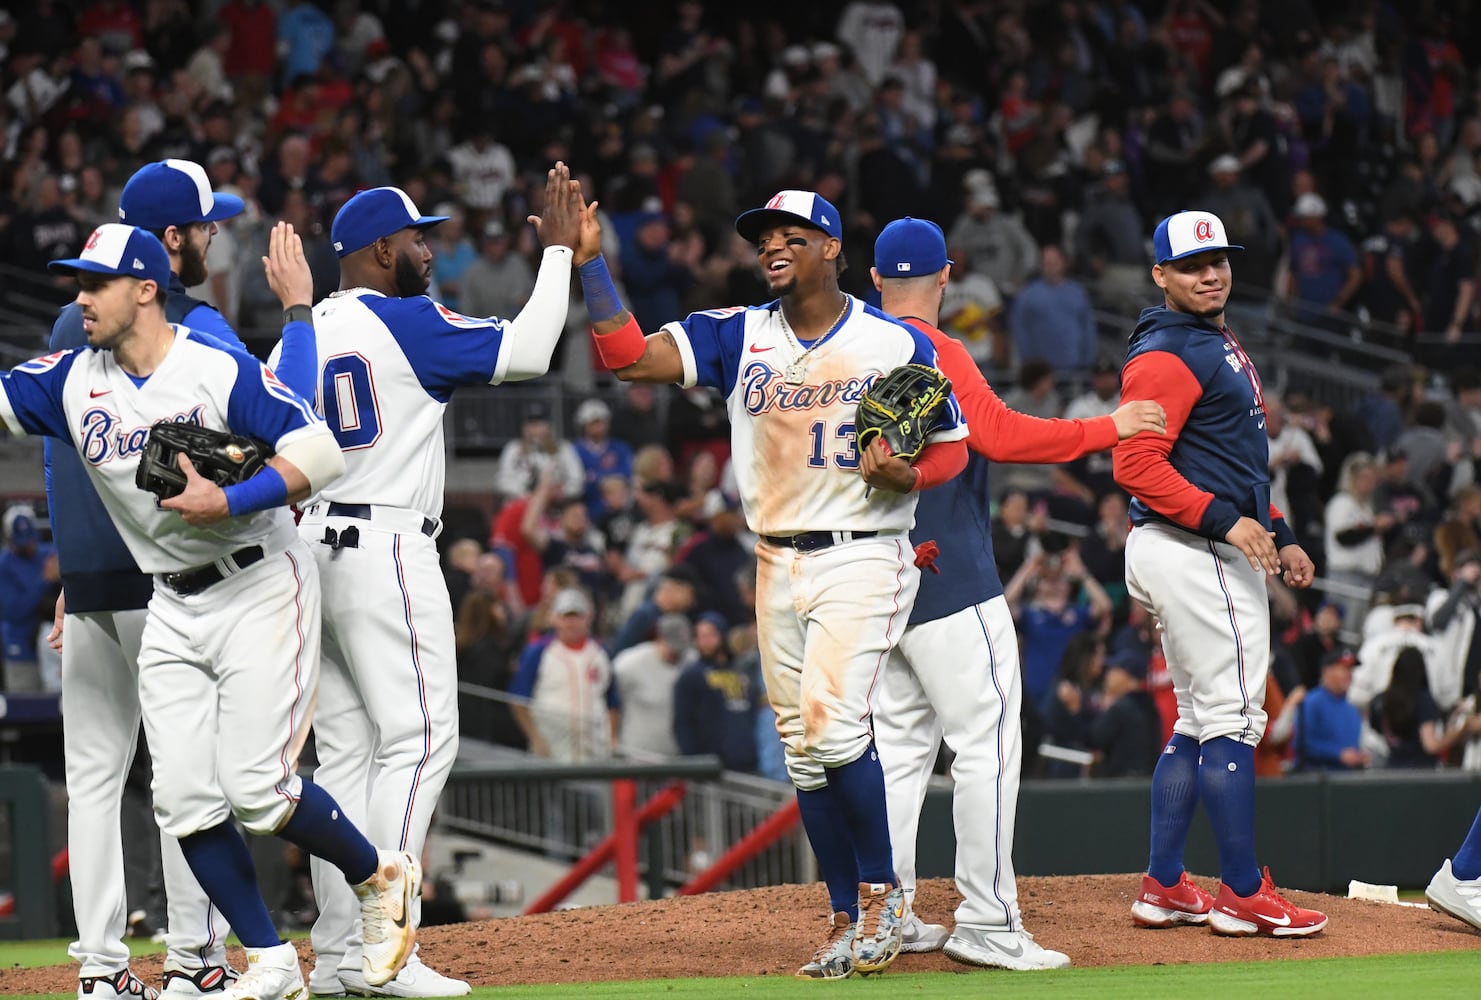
808, 207
909, 247
1310, 206
1129, 660
1408, 611
1339, 656
374, 213
23, 530
1105, 365
592, 409
1225, 164
716, 619
717, 502
570, 602
675, 630
173, 193
122, 251
1186, 233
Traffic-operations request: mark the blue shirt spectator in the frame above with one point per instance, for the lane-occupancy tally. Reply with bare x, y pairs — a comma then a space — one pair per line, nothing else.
1322, 272
22, 584
308, 34
601, 454
715, 703
655, 281
1052, 319
1329, 728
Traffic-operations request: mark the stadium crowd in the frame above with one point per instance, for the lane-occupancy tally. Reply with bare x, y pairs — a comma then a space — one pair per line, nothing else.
1339, 141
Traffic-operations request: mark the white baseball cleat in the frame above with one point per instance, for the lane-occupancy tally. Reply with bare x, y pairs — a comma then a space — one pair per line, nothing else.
272, 974
1461, 898
918, 936
1015, 950
385, 916
206, 981
416, 979
122, 983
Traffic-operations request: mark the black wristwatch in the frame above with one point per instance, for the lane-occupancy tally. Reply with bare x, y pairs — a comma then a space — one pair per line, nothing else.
302, 314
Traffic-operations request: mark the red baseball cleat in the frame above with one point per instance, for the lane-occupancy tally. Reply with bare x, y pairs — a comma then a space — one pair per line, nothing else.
1266, 913
1163, 906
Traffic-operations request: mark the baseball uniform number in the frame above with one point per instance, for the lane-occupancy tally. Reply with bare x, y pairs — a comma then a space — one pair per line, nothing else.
350, 406
848, 458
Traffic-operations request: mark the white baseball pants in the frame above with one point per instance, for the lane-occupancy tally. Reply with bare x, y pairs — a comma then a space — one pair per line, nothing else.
826, 622
1214, 615
386, 729
957, 678
100, 727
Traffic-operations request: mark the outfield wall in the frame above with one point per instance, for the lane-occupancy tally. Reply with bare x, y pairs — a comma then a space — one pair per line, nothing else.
1314, 831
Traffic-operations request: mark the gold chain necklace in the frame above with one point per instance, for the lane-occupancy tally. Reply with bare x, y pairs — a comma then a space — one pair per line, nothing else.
796, 372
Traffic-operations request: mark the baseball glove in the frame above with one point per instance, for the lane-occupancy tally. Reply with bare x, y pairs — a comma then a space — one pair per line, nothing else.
220, 456
904, 407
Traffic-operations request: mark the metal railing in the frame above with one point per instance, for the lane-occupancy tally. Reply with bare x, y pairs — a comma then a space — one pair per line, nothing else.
563, 818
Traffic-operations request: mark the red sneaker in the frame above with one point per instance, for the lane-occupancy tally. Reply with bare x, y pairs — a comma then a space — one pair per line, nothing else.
1267, 913
1163, 906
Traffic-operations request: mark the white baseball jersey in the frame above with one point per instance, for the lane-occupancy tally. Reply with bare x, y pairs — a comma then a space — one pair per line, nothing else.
82, 396
386, 370
794, 447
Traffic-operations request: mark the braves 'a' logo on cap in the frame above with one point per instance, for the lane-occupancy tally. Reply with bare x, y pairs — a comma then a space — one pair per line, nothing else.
92, 240
1203, 231
776, 200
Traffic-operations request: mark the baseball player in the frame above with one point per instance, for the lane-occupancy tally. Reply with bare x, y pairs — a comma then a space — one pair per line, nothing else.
1204, 535
388, 359
1456, 887
229, 650
955, 670
104, 599
836, 577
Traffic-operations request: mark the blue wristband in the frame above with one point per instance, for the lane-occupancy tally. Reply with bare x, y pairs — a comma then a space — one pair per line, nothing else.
602, 302
262, 492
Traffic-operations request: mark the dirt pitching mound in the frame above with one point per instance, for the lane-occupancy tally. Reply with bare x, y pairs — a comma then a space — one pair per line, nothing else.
771, 931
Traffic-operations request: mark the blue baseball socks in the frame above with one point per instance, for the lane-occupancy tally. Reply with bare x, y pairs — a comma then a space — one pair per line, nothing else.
833, 843
1466, 865
858, 789
1226, 780
1174, 800
320, 827
223, 866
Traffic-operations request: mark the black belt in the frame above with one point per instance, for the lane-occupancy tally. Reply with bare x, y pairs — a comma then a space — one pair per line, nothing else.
811, 541
193, 581
363, 512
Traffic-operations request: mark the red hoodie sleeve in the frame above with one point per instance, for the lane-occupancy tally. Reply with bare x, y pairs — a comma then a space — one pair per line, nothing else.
1142, 465
1005, 435
939, 463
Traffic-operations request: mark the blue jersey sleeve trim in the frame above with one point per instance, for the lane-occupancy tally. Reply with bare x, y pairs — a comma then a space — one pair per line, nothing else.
262, 406
522, 684
444, 348
298, 358
31, 395
715, 338
207, 319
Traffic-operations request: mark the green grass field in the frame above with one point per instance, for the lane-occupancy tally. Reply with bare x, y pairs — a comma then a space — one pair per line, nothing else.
1445, 974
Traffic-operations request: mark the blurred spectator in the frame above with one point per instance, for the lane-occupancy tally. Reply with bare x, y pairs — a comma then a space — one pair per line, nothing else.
1073, 704
1013, 530
675, 592
1385, 411
1125, 733
1424, 444
1249, 221
1035, 395
1387, 292
1251, 133
645, 676
499, 281
1405, 715
1382, 646
997, 244
972, 311
715, 702
570, 540
1446, 279
488, 641
1354, 533
1320, 274
652, 543
27, 568
1451, 616
872, 29
601, 454
1335, 114
452, 255
537, 448
252, 28
1295, 468
459, 560
1461, 530
717, 554
483, 170
207, 67
1175, 142
1109, 246
1052, 318
305, 38
1329, 728
1103, 550
1053, 599
1311, 648
698, 421
571, 709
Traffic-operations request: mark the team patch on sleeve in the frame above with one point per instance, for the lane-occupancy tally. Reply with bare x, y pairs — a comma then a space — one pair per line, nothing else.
459, 320
43, 364
278, 390
721, 313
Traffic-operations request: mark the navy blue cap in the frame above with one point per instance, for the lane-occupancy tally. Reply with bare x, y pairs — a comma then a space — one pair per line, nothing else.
173, 193
121, 251
909, 248
372, 214
807, 207
1187, 233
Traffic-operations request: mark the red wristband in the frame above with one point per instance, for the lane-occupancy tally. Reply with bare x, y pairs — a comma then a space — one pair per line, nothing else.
621, 347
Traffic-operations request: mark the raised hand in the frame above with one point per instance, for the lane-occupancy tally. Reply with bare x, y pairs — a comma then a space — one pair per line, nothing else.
561, 223
1139, 415
288, 273
591, 230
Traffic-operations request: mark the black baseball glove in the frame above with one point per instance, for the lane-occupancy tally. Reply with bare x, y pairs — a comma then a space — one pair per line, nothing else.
904, 407
220, 456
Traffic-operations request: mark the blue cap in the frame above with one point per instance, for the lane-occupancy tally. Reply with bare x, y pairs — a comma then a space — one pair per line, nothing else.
23, 530
372, 214
909, 248
122, 251
1187, 233
173, 193
807, 207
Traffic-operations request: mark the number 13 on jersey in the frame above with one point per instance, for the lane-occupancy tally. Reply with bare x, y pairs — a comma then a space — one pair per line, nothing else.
846, 458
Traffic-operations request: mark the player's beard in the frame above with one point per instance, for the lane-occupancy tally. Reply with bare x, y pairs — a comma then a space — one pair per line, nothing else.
411, 280
193, 270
